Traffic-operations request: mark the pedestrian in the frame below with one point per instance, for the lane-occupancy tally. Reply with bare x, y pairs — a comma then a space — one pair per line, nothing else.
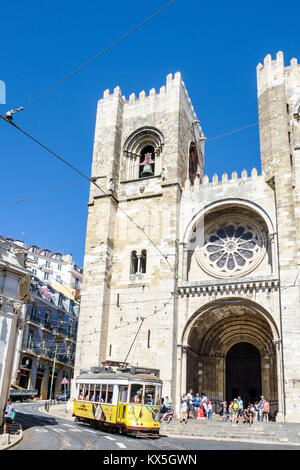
261, 408
241, 406
223, 411
235, 412
168, 415
209, 409
256, 412
9, 413
190, 399
230, 411
266, 411
248, 415
183, 408
197, 403
204, 403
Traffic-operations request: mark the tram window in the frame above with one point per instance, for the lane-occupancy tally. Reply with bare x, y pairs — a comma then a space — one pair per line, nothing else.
136, 393
149, 394
87, 393
80, 392
158, 396
123, 393
103, 394
92, 392
97, 392
84, 391
110, 393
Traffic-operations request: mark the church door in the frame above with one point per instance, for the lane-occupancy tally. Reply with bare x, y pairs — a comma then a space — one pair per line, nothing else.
243, 373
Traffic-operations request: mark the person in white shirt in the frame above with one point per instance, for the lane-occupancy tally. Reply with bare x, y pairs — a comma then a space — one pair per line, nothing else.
8, 414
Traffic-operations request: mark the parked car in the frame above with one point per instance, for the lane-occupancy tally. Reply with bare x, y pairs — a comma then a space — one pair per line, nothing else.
64, 396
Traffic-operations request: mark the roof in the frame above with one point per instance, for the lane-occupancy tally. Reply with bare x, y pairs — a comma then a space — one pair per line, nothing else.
119, 376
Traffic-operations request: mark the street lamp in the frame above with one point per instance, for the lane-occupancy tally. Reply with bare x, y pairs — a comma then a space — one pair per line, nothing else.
57, 338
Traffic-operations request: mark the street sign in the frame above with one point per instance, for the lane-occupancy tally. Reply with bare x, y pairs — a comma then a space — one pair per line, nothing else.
64, 381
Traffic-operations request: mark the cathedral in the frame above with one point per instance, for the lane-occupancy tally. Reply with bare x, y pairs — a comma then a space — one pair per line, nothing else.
197, 278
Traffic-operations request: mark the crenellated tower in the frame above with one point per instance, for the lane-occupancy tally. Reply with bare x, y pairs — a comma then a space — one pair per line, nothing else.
279, 124
145, 149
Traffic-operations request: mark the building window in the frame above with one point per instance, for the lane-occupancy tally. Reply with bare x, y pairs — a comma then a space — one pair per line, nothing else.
138, 263
232, 247
193, 162
59, 267
46, 276
58, 278
47, 265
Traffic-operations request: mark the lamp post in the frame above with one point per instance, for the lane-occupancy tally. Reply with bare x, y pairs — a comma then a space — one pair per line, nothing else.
57, 339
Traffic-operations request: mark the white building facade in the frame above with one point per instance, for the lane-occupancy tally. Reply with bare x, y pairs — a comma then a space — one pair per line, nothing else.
14, 293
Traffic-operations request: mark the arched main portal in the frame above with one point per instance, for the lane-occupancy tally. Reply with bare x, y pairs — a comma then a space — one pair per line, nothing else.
231, 330
243, 373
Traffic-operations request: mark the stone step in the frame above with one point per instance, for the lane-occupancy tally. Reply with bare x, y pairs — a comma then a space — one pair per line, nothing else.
259, 432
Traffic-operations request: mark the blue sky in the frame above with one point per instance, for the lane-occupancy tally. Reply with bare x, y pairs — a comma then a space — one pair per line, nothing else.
216, 46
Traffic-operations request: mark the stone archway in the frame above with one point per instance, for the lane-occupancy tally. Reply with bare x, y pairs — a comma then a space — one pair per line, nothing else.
210, 336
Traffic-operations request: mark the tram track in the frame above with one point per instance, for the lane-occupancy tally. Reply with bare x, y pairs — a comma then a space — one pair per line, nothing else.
64, 442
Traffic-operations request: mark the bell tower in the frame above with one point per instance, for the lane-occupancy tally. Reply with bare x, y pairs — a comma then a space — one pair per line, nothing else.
279, 124
142, 157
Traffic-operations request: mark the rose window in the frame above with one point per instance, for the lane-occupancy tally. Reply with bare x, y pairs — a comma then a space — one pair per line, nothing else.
232, 247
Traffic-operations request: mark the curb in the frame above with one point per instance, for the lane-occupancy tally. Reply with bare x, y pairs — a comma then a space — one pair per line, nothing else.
42, 410
15, 441
229, 439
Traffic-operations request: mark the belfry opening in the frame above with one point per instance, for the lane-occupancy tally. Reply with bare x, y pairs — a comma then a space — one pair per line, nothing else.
230, 352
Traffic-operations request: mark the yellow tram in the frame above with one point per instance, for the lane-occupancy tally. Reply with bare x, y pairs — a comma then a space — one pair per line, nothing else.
127, 400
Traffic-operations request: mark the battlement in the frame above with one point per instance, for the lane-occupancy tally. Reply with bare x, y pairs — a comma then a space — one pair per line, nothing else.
274, 72
224, 180
173, 83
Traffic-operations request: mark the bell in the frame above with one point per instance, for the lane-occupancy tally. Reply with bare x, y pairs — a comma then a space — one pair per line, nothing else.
147, 170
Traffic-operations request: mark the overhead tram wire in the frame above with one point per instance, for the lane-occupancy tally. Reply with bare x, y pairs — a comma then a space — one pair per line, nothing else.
108, 48
91, 180
232, 132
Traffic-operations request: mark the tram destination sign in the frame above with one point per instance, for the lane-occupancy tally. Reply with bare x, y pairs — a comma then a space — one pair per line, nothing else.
23, 393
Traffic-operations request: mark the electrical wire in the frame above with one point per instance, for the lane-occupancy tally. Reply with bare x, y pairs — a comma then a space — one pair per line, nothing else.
91, 180
232, 132
59, 188
158, 12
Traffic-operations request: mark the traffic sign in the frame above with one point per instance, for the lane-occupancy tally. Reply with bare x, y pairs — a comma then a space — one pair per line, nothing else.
64, 381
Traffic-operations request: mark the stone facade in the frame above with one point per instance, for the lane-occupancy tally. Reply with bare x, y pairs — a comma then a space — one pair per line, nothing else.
190, 276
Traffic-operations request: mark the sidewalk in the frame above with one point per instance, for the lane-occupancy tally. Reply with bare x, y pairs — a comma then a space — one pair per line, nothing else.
60, 411
262, 433
9, 440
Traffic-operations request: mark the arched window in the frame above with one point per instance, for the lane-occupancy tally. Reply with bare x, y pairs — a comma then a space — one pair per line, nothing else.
143, 261
193, 162
134, 263
138, 263
137, 162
